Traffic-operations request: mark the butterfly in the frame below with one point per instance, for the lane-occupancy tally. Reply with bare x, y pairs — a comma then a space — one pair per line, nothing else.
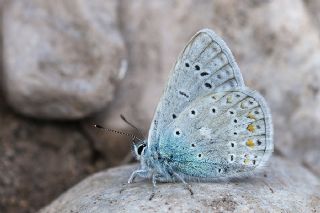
208, 125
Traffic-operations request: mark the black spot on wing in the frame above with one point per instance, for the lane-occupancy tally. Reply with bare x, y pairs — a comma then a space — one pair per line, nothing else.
208, 85
204, 73
183, 94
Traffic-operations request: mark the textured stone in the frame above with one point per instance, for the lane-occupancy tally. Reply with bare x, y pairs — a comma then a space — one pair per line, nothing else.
277, 50
40, 160
284, 187
61, 58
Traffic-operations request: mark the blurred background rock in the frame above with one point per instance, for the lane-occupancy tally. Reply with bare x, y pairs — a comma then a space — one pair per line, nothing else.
67, 64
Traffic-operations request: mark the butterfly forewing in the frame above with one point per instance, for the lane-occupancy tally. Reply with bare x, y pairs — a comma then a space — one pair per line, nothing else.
206, 65
223, 134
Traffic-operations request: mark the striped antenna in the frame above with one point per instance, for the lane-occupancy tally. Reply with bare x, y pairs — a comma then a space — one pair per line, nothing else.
116, 132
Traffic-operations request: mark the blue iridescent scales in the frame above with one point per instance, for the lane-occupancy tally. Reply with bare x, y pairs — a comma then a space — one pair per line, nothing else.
208, 124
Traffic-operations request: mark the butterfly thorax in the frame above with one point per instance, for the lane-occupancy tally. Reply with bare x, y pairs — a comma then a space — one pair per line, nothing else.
154, 164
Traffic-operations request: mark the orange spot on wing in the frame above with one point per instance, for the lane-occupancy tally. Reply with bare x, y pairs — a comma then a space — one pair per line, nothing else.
251, 116
250, 128
250, 143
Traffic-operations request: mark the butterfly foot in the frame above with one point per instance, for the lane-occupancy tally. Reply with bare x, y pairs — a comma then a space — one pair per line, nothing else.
191, 192
188, 187
124, 187
152, 195
154, 186
135, 174
131, 179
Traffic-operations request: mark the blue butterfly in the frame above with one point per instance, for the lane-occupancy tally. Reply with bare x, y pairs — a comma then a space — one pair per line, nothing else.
208, 125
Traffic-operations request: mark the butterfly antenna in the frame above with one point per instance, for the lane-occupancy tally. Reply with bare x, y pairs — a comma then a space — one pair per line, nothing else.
116, 132
133, 126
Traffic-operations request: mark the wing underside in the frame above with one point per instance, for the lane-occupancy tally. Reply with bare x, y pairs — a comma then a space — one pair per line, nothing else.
223, 134
205, 65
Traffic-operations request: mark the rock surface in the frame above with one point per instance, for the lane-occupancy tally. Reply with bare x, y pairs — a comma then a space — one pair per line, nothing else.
283, 187
40, 160
61, 59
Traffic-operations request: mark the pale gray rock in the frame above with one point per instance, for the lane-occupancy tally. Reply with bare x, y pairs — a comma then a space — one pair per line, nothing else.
313, 6
275, 43
283, 187
61, 58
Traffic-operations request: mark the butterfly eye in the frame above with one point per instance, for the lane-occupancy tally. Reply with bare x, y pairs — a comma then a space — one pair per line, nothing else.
141, 148
197, 67
174, 116
187, 64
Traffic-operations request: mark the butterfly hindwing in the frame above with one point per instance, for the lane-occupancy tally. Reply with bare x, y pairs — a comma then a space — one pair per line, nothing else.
206, 65
222, 134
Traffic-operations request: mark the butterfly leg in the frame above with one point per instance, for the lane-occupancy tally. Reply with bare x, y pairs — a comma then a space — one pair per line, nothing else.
154, 186
141, 173
186, 185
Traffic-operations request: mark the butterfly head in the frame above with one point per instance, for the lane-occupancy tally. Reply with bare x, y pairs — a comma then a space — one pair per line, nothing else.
139, 149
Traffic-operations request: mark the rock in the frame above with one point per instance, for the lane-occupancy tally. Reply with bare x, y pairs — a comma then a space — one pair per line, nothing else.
277, 50
283, 187
313, 6
61, 60
40, 160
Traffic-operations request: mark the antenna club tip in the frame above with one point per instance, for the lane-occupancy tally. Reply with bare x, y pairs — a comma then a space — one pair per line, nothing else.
97, 126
